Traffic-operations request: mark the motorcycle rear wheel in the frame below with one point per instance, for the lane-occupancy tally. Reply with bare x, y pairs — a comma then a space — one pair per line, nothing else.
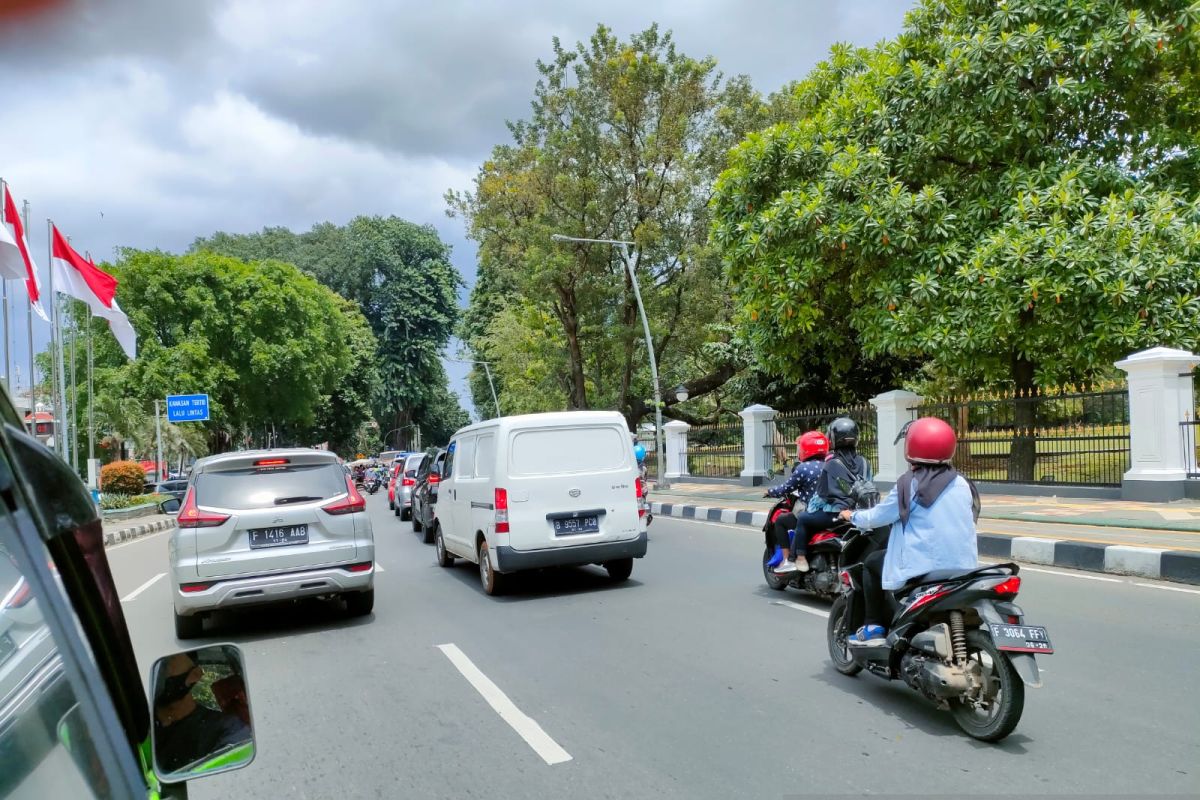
836, 632
776, 582
1008, 703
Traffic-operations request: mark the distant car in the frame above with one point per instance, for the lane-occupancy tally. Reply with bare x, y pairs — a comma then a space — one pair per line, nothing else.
268, 525
394, 467
424, 496
403, 484
172, 488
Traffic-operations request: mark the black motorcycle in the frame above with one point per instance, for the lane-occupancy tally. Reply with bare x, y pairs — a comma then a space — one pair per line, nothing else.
372, 485
823, 551
956, 637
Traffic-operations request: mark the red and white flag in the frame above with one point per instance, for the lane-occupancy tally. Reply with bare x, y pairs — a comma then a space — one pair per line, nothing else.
29, 270
79, 277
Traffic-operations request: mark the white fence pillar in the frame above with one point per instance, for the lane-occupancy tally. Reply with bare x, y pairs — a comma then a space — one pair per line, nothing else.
892, 413
758, 425
1160, 397
675, 434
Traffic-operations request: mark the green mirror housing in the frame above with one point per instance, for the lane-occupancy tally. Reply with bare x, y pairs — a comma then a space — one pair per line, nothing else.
200, 707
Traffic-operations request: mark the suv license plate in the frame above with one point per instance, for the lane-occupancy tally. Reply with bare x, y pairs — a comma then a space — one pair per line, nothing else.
281, 536
1021, 638
573, 525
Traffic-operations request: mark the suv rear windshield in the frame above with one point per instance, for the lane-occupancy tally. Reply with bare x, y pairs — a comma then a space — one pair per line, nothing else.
412, 465
240, 489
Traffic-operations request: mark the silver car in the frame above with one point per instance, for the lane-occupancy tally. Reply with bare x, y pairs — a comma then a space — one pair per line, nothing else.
264, 526
406, 480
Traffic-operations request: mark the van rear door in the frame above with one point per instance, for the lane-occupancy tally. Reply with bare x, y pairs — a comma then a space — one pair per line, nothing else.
569, 485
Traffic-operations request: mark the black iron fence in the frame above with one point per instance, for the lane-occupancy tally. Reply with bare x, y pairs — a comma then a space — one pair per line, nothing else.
788, 425
646, 439
715, 451
1077, 438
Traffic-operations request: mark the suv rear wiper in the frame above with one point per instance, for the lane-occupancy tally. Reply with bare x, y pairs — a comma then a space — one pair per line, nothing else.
303, 498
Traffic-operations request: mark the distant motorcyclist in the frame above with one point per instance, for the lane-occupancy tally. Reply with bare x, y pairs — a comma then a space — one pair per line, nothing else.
932, 511
845, 467
811, 449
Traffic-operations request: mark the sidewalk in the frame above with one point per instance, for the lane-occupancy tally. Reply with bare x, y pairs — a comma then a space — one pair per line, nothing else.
124, 530
1147, 539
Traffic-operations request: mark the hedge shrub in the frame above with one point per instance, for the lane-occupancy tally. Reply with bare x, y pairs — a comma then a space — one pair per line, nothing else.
123, 477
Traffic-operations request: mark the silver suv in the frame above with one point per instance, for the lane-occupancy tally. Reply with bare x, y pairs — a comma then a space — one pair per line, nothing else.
263, 526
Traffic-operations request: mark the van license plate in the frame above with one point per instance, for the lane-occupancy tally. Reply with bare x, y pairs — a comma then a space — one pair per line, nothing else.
573, 525
281, 536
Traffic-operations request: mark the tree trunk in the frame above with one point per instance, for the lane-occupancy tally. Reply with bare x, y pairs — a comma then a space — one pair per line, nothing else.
577, 397
1022, 457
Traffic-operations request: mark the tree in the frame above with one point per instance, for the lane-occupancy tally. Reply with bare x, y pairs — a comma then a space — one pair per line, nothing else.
400, 276
1006, 190
267, 343
624, 142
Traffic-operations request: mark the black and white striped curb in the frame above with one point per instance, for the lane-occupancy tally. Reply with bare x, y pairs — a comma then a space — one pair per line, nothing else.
136, 531
1145, 562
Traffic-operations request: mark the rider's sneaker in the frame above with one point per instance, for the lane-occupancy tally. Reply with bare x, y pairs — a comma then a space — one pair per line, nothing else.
867, 636
786, 568
801, 563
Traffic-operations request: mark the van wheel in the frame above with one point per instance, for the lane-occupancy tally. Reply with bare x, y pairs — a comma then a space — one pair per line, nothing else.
429, 531
359, 604
444, 559
620, 569
492, 581
189, 627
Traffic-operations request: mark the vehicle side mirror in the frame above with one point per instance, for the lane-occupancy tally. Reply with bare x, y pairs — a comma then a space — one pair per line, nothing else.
201, 713
169, 506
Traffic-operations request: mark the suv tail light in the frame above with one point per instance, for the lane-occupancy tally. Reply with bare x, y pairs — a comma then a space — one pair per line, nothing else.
190, 515
434, 478
640, 490
351, 503
501, 506
410, 482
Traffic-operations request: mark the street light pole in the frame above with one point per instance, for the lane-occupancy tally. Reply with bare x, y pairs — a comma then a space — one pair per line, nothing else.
662, 482
488, 370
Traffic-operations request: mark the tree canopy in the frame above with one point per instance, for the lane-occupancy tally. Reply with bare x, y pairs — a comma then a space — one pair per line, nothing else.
624, 142
1006, 190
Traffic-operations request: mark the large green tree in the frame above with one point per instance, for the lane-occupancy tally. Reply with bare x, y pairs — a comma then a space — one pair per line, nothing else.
1007, 190
624, 141
267, 343
400, 275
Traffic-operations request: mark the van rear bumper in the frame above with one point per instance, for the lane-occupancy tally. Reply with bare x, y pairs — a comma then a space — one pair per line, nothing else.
515, 560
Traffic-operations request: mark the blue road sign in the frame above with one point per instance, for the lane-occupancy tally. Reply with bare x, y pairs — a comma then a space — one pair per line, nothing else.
187, 407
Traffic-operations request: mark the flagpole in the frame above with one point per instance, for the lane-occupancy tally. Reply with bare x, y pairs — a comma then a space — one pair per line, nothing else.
8, 386
74, 393
91, 394
59, 400
29, 324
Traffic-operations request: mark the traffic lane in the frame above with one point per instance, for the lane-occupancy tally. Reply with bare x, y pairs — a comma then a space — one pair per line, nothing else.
1121, 647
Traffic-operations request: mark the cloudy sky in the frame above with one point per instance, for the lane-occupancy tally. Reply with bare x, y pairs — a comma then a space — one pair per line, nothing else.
147, 123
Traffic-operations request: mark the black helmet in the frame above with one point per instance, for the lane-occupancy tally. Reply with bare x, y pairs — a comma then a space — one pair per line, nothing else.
843, 433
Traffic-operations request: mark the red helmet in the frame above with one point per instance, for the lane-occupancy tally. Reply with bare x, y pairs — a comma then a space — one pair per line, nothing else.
929, 441
811, 444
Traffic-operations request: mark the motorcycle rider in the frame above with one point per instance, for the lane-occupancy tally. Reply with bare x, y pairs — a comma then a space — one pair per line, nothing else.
840, 472
811, 449
932, 510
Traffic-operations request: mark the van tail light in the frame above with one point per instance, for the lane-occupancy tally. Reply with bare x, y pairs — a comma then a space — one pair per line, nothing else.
501, 507
190, 515
351, 503
640, 490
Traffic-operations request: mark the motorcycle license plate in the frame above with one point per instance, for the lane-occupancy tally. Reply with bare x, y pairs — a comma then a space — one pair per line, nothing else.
1021, 638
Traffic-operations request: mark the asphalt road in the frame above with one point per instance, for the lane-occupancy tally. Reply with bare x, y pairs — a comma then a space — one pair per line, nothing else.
687, 681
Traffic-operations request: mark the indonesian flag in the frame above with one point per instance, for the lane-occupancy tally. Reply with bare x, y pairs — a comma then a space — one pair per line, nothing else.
79, 277
11, 266
33, 284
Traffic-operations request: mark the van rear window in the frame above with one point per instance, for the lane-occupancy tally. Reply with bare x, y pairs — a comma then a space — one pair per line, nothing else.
556, 451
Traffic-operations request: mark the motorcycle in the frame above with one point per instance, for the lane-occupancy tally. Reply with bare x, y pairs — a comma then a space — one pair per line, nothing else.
645, 498
956, 637
372, 485
823, 551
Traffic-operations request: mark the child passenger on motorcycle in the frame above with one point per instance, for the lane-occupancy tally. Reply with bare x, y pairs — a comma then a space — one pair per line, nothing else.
811, 449
932, 511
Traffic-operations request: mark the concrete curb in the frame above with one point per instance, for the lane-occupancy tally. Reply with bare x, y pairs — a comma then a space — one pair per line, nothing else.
136, 532
1144, 562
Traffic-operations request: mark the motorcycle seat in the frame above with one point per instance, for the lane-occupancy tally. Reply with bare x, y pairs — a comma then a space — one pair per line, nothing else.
938, 575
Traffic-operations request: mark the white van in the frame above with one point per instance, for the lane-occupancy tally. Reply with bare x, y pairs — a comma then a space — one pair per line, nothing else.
542, 490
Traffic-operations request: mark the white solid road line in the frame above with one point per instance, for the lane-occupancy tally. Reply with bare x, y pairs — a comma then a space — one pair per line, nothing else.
818, 612
1071, 574
525, 726
143, 587
1168, 588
